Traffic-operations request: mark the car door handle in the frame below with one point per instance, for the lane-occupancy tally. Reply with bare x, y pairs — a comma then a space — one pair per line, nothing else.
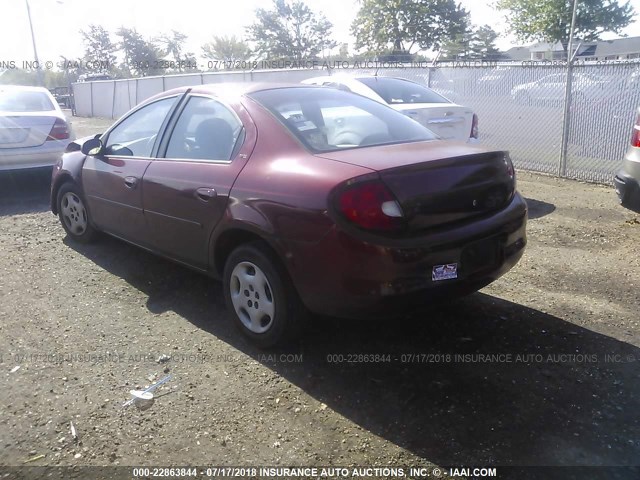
131, 182
206, 193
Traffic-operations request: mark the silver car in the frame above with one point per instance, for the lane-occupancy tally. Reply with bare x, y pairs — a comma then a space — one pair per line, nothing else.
448, 120
33, 130
627, 180
551, 88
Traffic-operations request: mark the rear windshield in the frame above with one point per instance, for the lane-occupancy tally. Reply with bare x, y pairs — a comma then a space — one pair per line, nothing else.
397, 91
21, 101
326, 120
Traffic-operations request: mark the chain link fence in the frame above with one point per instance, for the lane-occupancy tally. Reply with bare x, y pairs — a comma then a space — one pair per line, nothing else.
521, 107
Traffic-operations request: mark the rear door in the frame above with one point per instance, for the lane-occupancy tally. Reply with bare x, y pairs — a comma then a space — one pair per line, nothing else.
112, 182
186, 192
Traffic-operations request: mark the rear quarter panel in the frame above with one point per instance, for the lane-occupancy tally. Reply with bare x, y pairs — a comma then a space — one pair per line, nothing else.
282, 192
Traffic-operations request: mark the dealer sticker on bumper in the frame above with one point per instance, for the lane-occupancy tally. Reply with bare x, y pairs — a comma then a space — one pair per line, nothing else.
444, 272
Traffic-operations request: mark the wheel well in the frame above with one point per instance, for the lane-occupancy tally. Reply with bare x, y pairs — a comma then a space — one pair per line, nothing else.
229, 241
61, 180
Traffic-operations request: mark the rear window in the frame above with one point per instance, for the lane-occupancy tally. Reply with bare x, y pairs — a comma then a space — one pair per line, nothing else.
396, 91
326, 120
21, 101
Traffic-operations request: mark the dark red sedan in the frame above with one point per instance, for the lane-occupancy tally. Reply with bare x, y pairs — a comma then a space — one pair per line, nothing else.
299, 198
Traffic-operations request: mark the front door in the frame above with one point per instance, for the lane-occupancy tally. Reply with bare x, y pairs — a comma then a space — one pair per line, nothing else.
113, 180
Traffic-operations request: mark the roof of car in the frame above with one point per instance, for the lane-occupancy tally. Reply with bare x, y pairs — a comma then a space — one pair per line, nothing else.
23, 88
349, 76
228, 90
236, 88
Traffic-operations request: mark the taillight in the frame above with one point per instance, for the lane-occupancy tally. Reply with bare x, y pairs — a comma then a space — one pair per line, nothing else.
474, 127
59, 131
635, 137
509, 165
371, 206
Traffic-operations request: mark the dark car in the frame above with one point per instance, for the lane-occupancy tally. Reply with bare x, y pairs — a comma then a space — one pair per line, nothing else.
627, 180
300, 198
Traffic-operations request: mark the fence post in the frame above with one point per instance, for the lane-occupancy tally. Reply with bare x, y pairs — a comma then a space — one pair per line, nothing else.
129, 94
566, 114
113, 100
91, 94
566, 123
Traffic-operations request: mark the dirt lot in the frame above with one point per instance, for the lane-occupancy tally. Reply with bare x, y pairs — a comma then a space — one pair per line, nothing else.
540, 368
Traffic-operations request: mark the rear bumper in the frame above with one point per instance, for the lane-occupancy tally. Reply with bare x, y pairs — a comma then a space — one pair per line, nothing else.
345, 277
627, 180
45, 155
628, 191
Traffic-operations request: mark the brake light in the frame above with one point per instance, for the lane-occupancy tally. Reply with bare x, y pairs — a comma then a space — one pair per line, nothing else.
474, 127
59, 131
635, 137
370, 205
509, 165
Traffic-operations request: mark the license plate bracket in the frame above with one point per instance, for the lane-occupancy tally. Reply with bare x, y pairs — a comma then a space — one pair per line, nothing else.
448, 271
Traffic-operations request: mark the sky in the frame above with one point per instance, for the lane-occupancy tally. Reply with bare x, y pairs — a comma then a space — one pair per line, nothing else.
57, 23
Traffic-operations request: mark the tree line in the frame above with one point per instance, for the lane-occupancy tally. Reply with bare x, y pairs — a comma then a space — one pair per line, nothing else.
388, 30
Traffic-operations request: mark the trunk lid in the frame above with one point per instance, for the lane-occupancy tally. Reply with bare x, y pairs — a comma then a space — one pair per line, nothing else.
24, 129
438, 183
448, 120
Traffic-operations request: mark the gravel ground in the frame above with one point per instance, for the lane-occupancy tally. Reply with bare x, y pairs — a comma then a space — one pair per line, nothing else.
540, 368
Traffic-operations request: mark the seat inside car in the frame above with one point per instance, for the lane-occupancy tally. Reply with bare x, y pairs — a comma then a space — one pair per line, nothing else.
214, 139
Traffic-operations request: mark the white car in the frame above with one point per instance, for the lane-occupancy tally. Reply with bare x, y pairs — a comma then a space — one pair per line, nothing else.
443, 117
552, 88
33, 130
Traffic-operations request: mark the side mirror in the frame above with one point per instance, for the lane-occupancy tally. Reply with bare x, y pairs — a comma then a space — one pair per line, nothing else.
93, 147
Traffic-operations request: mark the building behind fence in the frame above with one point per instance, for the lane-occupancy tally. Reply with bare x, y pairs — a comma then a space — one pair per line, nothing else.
521, 107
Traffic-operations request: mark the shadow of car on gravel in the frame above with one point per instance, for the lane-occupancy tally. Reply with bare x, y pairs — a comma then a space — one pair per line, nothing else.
538, 208
453, 391
24, 191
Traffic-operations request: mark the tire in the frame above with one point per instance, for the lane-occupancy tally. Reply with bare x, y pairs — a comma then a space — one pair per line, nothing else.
260, 297
74, 215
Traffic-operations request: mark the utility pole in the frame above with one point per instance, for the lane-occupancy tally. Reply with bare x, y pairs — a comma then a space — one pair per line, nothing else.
35, 50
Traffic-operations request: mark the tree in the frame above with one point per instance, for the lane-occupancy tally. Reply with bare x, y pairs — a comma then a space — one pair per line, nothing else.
483, 43
405, 24
140, 56
458, 47
290, 30
72, 68
99, 50
550, 20
173, 51
18, 76
343, 53
226, 49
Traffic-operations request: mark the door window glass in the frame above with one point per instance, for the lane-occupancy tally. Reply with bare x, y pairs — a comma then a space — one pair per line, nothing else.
206, 130
136, 135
